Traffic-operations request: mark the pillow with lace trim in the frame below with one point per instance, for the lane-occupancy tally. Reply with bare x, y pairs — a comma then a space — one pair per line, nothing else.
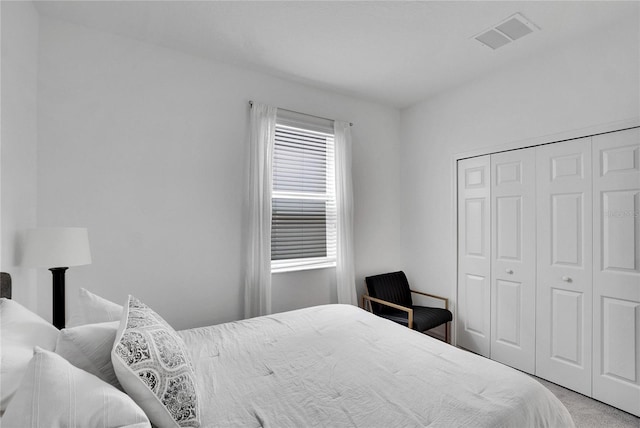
153, 366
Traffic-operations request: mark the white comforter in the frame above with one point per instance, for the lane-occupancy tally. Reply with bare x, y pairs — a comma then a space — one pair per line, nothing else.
339, 366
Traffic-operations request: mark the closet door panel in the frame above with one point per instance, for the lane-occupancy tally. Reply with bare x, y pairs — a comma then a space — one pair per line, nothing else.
508, 308
564, 286
474, 255
513, 259
508, 226
567, 320
616, 269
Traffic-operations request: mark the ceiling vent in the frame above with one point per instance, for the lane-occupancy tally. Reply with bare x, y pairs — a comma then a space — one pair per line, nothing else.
512, 28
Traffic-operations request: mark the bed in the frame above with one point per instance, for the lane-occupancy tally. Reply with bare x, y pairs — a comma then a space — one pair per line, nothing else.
338, 365
325, 366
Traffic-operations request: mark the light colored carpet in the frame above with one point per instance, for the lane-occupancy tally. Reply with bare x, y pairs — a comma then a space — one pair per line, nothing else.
589, 413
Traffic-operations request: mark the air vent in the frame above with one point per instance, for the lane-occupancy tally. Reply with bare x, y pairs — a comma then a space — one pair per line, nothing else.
512, 28
492, 38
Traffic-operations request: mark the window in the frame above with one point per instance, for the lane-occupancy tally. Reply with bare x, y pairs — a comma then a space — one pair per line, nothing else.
303, 204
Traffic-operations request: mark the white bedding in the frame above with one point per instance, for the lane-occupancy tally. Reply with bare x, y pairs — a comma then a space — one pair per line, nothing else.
340, 366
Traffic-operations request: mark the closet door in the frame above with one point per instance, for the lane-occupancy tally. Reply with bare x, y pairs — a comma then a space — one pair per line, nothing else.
474, 255
564, 289
616, 269
513, 276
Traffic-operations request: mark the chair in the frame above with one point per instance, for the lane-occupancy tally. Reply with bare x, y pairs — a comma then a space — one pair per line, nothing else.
389, 296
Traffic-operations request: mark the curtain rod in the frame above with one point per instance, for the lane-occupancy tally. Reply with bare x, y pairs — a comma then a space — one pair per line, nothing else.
306, 114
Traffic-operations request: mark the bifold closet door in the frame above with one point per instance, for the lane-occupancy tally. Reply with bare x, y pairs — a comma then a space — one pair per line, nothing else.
564, 286
616, 269
474, 255
513, 267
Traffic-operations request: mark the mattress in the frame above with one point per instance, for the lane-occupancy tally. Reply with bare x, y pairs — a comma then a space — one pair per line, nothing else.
340, 366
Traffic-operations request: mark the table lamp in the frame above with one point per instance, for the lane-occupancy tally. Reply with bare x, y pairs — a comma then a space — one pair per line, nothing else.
57, 249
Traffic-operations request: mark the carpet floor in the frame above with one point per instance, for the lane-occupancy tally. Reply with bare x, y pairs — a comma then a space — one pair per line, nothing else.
589, 413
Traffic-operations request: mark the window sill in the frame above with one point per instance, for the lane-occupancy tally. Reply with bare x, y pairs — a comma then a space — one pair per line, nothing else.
294, 266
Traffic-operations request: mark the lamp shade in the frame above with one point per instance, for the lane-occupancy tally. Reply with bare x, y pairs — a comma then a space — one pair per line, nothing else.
56, 247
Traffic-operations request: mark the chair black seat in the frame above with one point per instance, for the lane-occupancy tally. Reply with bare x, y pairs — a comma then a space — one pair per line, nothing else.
393, 287
424, 318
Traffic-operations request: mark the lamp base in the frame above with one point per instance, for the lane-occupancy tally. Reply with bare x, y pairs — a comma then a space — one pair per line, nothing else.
58, 297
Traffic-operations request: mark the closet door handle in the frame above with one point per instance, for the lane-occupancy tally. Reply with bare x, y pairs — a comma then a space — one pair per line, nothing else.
509, 271
566, 279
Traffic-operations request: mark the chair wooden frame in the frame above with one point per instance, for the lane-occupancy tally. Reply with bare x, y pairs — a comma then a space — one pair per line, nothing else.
409, 311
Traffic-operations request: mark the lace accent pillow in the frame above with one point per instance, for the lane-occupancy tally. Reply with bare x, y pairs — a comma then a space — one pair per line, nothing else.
154, 367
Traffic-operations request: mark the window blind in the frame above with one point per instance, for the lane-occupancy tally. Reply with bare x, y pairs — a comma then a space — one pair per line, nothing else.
303, 223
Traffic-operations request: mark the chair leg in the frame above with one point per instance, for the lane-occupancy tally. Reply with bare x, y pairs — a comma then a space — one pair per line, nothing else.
446, 332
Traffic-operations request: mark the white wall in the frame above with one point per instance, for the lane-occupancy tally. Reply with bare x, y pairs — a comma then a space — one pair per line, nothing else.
592, 81
145, 146
18, 142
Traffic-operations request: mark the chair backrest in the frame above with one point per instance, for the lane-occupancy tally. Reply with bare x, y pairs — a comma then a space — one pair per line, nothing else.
392, 287
5, 285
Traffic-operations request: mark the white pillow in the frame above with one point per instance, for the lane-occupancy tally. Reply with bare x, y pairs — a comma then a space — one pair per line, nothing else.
88, 347
92, 309
20, 331
56, 394
154, 367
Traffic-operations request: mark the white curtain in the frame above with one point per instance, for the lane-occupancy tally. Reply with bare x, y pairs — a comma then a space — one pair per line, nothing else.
257, 296
345, 273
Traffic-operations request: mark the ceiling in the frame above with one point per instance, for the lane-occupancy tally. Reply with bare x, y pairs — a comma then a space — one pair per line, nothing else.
394, 52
